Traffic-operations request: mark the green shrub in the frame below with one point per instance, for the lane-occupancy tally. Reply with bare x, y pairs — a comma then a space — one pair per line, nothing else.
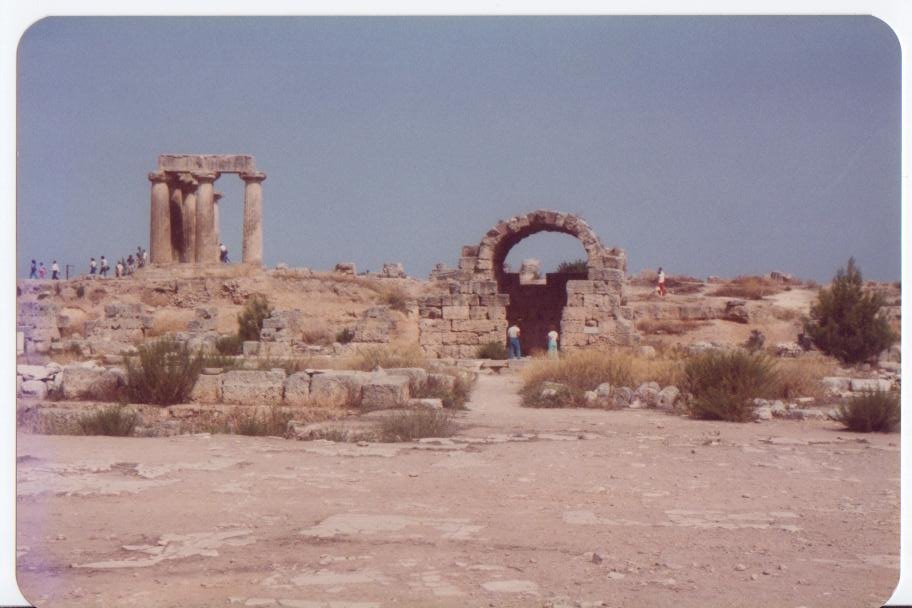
575, 266
116, 421
416, 424
165, 373
872, 411
492, 350
723, 385
229, 345
344, 336
250, 319
845, 322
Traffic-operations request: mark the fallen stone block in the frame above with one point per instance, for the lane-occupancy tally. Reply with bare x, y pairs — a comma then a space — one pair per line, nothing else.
297, 389
417, 375
668, 397
337, 388
82, 381
869, 384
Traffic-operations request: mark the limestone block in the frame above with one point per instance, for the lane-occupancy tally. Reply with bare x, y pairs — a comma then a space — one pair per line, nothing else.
434, 325
424, 404
417, 375
483, 288
574, 313
736, 310
208, 389
384, 391
456, 312
253, 387
497, 313
430, 301
35, 389
372, 331
429, 312
33, 372
251, 348
869, 384
469, 251
81, 381
836, 384
648, 393
667, 397
467, 263
580, 286
120, 309
475, 326
484, 265
297, 388
478, 313
606, 274
445, 382
337, 388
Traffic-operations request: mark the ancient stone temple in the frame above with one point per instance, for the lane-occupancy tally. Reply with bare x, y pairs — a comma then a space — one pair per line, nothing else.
587, 308
185, 209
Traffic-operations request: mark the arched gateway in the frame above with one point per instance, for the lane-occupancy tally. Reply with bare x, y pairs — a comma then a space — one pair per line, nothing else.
588, 307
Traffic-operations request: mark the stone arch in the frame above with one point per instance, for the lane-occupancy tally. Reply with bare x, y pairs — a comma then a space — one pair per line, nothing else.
483, 299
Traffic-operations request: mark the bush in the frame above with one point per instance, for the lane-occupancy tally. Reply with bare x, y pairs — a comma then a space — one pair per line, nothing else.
416, 424
80, 291
229, 345
722, 386
492, 350
344, 336
315, 334
575, 266
669, 327
165, 375
395, 298
748, 287
872, 411
453, 398
845, 322
271, 424
756, 341
115, 421
250, 319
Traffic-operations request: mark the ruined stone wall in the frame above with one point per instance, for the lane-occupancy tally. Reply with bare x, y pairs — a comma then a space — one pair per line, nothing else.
479, 306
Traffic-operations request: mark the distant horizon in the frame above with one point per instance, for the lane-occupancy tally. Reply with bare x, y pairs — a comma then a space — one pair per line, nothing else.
718, 146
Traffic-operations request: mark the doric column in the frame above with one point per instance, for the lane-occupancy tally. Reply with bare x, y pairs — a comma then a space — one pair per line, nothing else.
206, 245
216, 197
253, 217
160, 221
178, 243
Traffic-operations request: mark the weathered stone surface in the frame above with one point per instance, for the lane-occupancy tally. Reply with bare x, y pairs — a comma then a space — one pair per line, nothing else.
208, 389
869, 384
417, 375
668, 397
337, 388
836, 384
425, 404
622, 395
297, 389
736, 310
253, 387
788, 349
384, 391
34, 372
82, 381
35, 389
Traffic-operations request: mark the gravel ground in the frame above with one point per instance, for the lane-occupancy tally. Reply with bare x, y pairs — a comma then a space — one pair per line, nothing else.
523, 508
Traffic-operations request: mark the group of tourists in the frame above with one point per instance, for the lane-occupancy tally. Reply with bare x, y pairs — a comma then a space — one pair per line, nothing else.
123, 267
39, 271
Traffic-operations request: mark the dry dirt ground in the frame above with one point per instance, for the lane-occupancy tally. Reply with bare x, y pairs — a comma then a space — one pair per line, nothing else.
522, 508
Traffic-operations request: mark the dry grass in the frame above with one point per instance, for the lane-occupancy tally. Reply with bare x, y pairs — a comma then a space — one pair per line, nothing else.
748, 288
168, 321
801, 377
416, 424
371, 357
668, 327
317, 333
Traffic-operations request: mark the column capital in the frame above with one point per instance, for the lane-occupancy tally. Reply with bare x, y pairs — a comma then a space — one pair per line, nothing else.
253, 177
157, 177
205, 177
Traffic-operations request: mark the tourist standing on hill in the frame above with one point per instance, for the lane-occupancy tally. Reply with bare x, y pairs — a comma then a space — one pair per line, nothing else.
513, 335
103, 271
42, 271
553, 337
119, 268
93, 267
33, 271
55, 271
660, 288
223, 253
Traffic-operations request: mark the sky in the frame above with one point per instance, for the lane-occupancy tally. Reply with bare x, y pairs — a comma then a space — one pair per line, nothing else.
706, 145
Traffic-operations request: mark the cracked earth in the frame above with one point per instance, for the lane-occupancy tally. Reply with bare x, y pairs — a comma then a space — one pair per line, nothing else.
522, 508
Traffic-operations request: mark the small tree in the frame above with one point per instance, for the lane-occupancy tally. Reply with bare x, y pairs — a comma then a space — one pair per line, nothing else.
845, 322
250, 319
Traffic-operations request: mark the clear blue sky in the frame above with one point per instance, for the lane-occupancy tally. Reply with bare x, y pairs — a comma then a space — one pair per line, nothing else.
707, 145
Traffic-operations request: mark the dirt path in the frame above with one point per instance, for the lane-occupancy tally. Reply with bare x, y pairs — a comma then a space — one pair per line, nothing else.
509, 513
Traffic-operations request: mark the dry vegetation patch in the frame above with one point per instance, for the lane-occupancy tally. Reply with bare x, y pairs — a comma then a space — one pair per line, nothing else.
748, 288
668, 327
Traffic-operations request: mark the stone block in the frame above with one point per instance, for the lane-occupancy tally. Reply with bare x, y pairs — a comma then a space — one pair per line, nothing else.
478, 313
34, 389
580, 286
456, 312
474, 326
208, 389
836, 384
372, 331
606, 274
80, 381
434, 325
469, 251
424, 404
337, 388
668, 397
253, 387
384, 391
869, 384
250, 348
297, 388
34, 372
574, 313
497, 313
